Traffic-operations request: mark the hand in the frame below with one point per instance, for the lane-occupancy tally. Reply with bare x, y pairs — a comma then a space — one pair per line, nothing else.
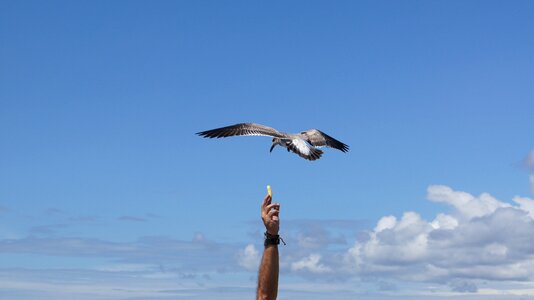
269, 215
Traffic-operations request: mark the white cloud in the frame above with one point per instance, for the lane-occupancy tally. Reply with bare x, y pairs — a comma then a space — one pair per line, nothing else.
249, 258
311, 264
465, 203
525, 204
443, 221
386, 223
491, 240
406, 238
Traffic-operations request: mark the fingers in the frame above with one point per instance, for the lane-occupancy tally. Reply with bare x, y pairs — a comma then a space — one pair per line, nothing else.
272, 206
270, 211
274, 218
266, 201
273, 211
267, 209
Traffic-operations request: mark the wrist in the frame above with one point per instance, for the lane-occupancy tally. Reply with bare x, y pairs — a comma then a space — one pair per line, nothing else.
272, 239
271, 232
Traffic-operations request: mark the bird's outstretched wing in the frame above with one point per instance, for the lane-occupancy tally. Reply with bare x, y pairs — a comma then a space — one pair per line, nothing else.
241, 129
318, 138
303, 149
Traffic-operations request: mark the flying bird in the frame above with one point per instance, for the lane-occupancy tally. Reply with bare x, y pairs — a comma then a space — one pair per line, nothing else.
305, 144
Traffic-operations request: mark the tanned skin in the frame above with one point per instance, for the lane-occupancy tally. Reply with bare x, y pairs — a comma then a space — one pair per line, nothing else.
268, 275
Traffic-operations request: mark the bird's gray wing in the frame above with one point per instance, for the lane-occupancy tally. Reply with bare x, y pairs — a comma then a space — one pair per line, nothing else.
320, 139
241, 129
303, 149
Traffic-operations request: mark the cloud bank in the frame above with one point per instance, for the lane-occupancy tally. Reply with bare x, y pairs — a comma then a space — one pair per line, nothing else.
482, 239
479, 242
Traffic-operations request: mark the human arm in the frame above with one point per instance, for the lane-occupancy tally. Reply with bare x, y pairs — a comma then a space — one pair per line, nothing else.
268, 274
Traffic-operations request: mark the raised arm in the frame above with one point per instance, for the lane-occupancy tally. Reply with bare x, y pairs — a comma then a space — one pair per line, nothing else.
268, 274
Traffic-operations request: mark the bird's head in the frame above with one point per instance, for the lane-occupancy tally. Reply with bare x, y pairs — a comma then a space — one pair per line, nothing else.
276, 141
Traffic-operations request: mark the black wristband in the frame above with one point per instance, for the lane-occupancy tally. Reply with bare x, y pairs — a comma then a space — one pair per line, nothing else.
272, 239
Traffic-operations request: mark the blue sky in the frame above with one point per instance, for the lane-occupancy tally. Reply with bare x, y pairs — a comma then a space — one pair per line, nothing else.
107, 193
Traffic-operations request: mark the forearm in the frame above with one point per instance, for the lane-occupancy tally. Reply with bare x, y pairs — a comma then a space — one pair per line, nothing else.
268, 276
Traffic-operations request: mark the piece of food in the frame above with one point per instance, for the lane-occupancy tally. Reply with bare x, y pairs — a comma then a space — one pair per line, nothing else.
269, 191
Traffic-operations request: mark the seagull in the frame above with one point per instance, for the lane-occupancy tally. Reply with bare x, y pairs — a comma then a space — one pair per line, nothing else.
304, 144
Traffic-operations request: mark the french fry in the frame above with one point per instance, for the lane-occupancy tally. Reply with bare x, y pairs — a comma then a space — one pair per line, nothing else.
269, 191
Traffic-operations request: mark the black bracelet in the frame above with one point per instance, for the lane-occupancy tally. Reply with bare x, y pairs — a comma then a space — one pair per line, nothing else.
272, 239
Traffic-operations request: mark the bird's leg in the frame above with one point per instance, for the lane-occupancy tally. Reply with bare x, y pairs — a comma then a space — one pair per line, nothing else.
287, 143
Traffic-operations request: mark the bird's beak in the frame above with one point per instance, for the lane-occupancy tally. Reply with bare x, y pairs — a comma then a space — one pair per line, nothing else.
272, 147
